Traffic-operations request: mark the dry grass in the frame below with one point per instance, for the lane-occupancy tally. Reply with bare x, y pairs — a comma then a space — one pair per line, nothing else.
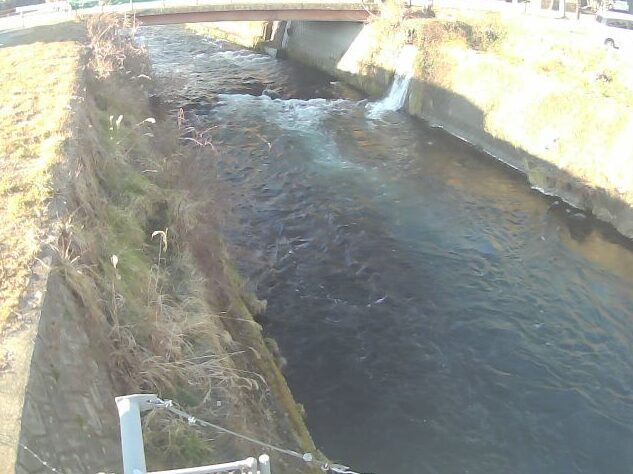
125, 243
556, 93
39, 79
126, 256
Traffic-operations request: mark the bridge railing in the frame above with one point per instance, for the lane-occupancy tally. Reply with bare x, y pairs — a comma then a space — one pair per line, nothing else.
91, 6
133, 451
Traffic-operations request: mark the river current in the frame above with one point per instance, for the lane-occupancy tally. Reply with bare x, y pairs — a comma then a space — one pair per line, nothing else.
437, 315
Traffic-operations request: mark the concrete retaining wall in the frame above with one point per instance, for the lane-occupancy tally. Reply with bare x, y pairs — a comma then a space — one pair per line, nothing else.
246, 33
340, 49
321, 44
586, 171
361, 56
69, 417
57, 399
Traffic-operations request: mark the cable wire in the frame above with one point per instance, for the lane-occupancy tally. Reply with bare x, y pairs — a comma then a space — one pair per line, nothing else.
307, 457
39, 459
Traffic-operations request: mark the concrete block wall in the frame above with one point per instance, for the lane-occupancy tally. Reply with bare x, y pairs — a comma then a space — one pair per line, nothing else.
69, 418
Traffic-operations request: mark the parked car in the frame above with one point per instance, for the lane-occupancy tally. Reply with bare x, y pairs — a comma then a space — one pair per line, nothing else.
620, 6
616, 29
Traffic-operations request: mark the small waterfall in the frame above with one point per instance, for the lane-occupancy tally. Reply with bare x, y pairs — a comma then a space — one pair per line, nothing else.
397, 95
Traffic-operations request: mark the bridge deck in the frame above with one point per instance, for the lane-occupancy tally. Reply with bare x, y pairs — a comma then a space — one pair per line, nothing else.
191, 11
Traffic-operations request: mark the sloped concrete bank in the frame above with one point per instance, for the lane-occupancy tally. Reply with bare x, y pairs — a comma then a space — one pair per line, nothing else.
138, 294
567, 142
554, 111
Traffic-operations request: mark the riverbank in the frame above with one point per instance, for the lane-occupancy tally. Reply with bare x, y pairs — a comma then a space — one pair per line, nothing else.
134, 290
553, 104
34, 128
545, 99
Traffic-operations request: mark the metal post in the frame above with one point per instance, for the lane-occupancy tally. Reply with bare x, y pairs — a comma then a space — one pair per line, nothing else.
264, 464
130, 408
251, 465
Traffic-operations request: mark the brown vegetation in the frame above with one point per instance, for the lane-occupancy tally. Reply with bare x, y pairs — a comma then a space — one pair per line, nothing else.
39, 80
127, 249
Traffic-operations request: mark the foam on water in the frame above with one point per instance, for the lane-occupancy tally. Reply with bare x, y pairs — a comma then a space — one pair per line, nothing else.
304, 117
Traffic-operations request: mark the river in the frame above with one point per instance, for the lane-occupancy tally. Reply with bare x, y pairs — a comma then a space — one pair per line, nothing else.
437, 315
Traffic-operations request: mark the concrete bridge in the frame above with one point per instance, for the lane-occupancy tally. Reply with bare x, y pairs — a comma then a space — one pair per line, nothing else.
162, 12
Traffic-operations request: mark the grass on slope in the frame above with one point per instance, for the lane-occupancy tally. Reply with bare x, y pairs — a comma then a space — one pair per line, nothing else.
39, 76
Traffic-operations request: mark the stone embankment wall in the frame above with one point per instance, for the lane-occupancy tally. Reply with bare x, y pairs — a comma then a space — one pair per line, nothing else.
57, 398
551, 110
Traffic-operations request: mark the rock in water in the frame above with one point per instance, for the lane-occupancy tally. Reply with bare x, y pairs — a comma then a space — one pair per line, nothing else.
270, 93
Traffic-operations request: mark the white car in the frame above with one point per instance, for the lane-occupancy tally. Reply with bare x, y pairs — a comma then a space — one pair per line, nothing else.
620, 6
616, 29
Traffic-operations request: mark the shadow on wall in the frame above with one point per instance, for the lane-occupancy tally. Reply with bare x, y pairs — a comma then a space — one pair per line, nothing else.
460, 117
342, 50
323, 45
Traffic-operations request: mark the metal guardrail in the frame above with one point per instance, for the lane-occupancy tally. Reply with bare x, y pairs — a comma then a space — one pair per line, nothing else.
130, 408
120, 6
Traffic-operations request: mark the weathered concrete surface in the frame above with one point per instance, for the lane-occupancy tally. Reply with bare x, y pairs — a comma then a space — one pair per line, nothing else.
340, 49
321, 44
69, 417
56, 398
17, 351
460, 117
249, 34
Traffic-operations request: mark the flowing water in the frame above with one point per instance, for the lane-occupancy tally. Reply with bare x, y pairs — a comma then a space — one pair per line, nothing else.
437, 315
397, 95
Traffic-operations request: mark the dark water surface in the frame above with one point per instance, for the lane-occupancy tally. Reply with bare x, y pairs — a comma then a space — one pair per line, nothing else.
438, 316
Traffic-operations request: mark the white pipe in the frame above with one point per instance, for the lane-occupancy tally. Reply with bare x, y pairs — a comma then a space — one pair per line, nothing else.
227, 467
251, 465
264, 464
130, 408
